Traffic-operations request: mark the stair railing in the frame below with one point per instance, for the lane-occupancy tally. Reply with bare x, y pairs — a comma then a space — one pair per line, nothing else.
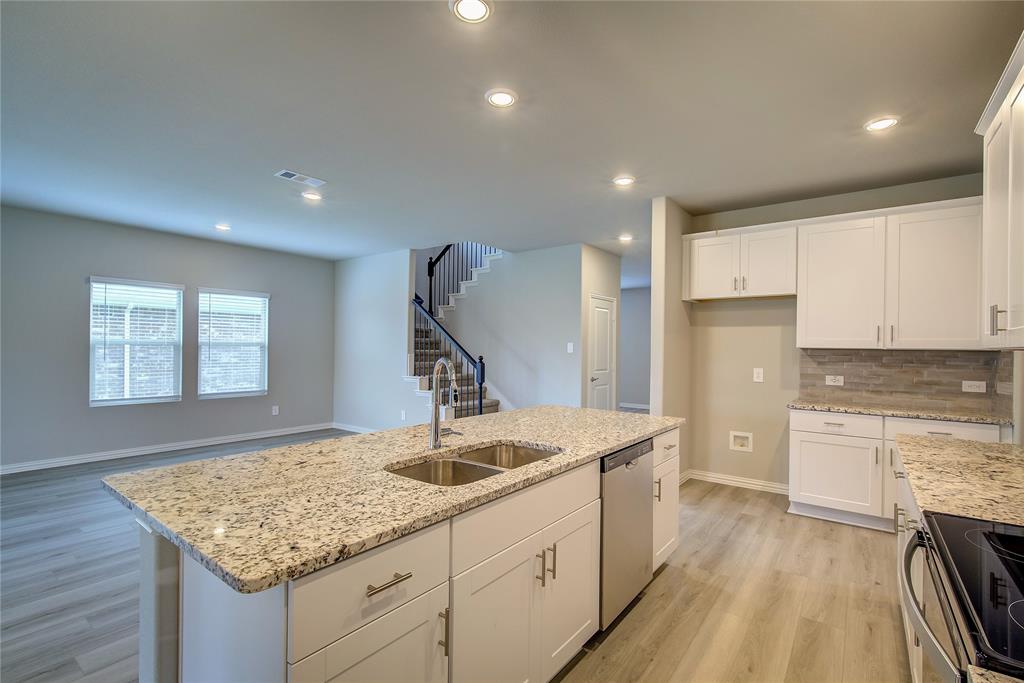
453, 265
431, 340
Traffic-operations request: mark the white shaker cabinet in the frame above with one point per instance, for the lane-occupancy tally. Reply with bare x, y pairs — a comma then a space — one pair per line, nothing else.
407, 644
1002, 125
933, 279
836, 472
758, 262
840, 284
666, 510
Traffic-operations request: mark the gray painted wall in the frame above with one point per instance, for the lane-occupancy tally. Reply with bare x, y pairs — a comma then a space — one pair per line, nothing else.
635, 346
46, 260
372, 333
520, 318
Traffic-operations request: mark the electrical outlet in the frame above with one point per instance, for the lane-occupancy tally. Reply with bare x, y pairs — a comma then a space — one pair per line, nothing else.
741, 441
759, 374
274, 410
569, 347
974, 387
834, 380
403, 416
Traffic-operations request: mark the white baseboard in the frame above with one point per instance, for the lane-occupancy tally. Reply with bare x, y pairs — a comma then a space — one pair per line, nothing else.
635, 406
353, 428
730, 480
841, 516
49, 463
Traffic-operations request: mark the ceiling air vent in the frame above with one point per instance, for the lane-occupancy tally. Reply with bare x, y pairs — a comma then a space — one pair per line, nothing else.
300, 178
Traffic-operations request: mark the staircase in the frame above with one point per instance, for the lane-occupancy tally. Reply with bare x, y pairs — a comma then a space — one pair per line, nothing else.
450, 274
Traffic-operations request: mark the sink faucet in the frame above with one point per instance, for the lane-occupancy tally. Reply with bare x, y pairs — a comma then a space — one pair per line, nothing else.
437, 400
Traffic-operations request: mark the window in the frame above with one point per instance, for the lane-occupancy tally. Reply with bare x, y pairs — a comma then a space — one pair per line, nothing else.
232, 343
134, 342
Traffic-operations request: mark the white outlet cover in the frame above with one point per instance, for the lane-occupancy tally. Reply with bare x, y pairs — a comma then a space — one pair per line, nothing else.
569, 347
274, 410
741, 441
759, 374
835, 380
403, 416
974, 387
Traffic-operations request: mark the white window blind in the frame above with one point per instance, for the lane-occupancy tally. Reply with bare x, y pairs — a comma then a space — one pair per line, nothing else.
232, 343
135, 342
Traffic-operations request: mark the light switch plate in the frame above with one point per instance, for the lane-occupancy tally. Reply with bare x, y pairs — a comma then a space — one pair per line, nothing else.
569, 347
974, 387
274, 410
759, 374
834, 380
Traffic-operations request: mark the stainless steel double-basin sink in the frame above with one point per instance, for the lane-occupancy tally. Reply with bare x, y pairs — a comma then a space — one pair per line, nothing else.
474, 465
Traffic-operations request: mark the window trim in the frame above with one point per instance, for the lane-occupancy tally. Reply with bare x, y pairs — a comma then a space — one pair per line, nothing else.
199, 346
102, 403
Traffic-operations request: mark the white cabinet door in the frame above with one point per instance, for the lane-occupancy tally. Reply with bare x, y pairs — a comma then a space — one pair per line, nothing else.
495, 612
995, 230
768, 263
933, 279
715, 267
838, 472
840, 270
666, 510
1015, 235
570, 601
403, 646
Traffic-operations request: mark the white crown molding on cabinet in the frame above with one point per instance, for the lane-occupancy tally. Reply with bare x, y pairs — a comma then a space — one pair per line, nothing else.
730, 480
1006, 81
49, 463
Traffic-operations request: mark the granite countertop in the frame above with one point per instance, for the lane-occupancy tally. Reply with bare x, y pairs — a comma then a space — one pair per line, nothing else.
259, 519
987, 676
966, 478
827, 406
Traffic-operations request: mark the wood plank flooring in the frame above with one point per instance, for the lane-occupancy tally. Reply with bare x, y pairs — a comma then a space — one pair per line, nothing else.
69, 575
758, 595
753, 594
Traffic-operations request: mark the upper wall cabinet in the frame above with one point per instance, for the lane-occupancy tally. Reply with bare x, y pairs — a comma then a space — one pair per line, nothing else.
1002, 125
745, 264
839, 299
933, 279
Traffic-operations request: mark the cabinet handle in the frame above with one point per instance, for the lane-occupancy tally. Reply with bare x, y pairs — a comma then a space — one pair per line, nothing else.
892, 334
657, 495
834, 424
447, 631
876, 455
878, 333
744, 283
735, 285
669, 446
940, 434
543, 568
890, 457
398, 578
993, 320
554, 561
899, 475
896, 513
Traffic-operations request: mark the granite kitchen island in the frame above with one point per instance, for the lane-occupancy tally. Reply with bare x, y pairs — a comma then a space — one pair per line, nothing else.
256, 536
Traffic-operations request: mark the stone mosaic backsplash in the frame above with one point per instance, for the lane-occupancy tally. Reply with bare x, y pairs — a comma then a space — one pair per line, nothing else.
912, 379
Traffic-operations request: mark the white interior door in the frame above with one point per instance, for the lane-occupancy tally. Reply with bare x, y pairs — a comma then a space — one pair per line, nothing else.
601, 353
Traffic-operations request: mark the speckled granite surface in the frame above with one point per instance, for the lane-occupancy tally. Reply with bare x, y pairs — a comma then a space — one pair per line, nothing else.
985, 676
966, 478
896, 411
259, 519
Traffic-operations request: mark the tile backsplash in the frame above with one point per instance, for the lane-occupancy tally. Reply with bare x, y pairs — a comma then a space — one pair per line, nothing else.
915, 379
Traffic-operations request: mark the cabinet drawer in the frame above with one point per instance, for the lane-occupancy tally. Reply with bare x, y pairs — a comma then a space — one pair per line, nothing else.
953, 430
845, 424
666, 447
489, 529
333, 602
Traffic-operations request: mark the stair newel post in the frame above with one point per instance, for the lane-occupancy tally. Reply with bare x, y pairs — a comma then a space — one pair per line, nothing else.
430, 285
480, 385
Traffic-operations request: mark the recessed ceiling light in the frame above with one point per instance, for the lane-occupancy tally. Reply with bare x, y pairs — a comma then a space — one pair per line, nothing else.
625, 238
470, 11
312, 196
624, 180
883, 123
223, 227
500, 97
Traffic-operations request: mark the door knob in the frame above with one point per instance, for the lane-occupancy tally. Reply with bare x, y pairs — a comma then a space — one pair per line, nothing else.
593, 379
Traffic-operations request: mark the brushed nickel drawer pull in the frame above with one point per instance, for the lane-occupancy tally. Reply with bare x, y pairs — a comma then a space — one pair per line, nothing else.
398, 578
899, 475
543, 568
940, 433
447, 631
657, 495
554, 561
835, 424
993, 325
897, 512
669, 446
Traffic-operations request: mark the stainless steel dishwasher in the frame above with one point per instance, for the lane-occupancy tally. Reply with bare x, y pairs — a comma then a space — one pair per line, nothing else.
627, 531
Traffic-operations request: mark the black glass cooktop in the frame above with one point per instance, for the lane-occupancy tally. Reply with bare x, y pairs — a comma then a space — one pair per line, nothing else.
986, 562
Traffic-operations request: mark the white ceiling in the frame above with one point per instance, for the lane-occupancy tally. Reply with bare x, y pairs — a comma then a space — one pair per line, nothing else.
175, 115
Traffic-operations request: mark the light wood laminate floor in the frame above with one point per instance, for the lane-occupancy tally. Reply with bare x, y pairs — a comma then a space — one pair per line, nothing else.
752, 594
69, 568
755, 594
